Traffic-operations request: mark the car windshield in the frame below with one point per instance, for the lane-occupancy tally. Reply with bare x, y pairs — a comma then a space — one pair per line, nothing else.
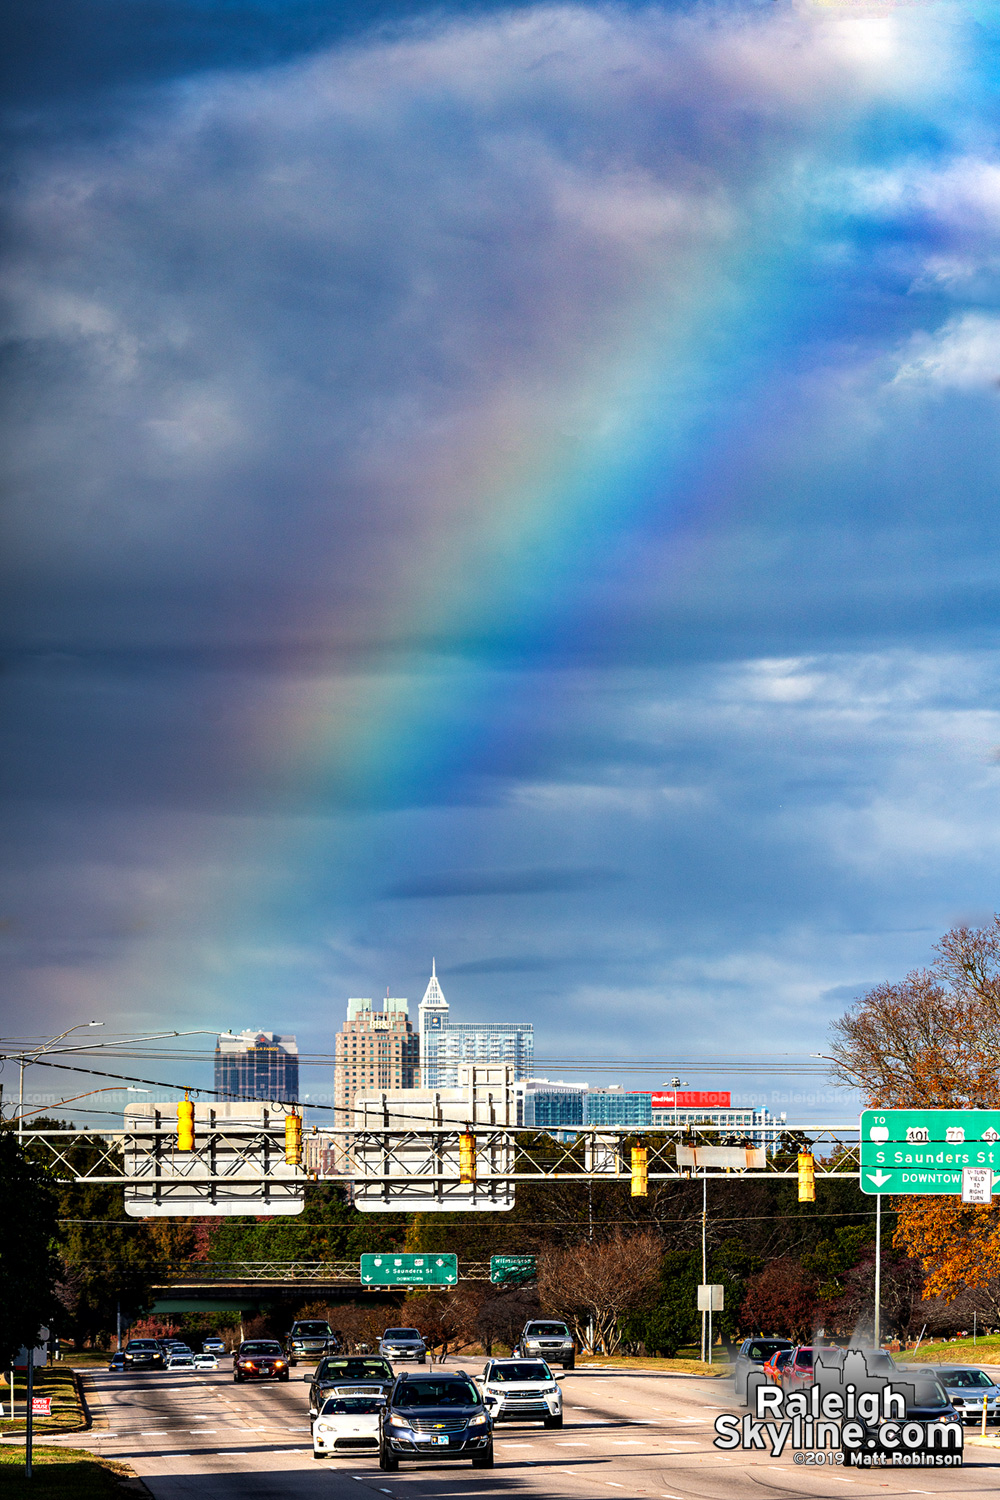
803, 1359
401, 1333
181, 1359
521, 1371
342, 1406
929, 1393
762, 1349
312, 1330
437, 1393
353, 1369
964, 1379
261, 1348
143, 1344
548, 1330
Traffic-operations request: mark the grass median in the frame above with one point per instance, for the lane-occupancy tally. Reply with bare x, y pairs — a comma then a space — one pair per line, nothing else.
60, 1474
985, 1351
652, 1362
55, 1381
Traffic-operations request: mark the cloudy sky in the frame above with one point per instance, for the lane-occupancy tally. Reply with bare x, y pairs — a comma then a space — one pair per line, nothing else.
509, 483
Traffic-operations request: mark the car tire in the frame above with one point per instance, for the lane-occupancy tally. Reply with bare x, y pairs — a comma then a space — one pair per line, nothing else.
387, 1462
318, 1455
284, 1377
421, 1359
484, 1460
237, 1380
570, 1364
553, 1421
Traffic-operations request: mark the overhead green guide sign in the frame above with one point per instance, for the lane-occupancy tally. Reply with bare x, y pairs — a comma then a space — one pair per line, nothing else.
512, 1267
409, 1270
925, 1150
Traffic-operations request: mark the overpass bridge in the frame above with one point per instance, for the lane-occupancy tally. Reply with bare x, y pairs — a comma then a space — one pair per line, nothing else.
296, 1276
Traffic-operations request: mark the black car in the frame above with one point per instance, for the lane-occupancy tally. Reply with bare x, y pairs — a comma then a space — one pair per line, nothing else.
143, 1354
346, 1375
260, 1359
435, 1417
309, 1338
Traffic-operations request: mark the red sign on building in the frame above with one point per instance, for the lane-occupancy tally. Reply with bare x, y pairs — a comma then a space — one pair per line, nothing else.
684, 1099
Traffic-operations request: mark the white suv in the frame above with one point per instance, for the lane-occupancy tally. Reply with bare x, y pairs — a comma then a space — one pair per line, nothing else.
522, 1390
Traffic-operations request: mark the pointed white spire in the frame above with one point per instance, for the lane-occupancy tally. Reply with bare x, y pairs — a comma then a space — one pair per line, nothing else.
433, 994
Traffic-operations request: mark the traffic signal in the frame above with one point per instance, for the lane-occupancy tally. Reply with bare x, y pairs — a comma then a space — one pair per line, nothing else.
640, 1172
185, 1125
807, 1177
467, 1158
293, 1139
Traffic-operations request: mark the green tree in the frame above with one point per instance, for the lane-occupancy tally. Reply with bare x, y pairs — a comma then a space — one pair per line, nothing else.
28, 1267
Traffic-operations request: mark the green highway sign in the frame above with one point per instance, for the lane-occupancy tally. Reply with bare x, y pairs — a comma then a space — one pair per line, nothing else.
926, 1150
409, 1270
512, 1267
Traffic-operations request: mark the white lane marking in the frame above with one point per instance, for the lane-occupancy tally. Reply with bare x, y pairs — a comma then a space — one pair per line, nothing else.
208, 1431
611, 1484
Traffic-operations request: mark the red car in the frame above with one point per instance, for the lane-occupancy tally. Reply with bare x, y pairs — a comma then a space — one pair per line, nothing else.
798, 1369
259, 1359
774, 1366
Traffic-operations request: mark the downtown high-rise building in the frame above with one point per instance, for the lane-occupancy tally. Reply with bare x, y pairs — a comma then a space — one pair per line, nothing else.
257, 1064
374, 1049
446, 1045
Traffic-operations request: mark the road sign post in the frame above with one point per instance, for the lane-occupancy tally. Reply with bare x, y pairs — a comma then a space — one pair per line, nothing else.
926, 1151
512, 1268
409, 1270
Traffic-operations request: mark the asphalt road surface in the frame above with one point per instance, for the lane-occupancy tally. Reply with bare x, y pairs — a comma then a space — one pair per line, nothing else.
633, 1434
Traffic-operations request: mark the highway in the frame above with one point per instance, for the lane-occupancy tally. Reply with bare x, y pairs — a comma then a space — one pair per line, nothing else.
633, 1434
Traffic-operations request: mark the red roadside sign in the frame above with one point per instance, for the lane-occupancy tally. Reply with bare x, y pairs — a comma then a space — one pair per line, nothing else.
41, 1406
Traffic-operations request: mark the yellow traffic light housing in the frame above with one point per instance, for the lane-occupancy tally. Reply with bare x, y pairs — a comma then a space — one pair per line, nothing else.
807, 1177
467, 1158
640, 1172
185, 1124
293, 1140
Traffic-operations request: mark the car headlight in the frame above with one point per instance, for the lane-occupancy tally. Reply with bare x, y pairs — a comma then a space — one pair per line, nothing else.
323, 1427
479, 1421
549, 1390
401, 1423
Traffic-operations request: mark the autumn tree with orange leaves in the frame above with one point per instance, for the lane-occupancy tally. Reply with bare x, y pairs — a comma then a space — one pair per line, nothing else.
932, 1041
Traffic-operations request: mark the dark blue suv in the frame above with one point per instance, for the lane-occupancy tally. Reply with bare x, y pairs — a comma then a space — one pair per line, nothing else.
433, 1418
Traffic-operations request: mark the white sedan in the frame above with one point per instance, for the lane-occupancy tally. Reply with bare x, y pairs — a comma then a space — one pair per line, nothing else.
206, 1362
180, 1362
521, 1390
347, 1424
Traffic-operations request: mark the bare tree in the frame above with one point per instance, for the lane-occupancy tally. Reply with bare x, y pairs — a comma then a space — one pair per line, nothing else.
599, 1283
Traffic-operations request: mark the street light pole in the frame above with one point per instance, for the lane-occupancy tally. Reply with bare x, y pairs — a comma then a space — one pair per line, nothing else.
26, 1061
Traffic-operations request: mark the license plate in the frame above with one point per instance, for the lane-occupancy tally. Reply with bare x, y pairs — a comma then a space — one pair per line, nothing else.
442, 1439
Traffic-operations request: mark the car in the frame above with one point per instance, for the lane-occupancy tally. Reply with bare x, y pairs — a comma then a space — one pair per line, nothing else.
772, 1370
347, 1424
178, 1348
798, 1370
751, 1357
521, 1390
143, 1354
435, 1417
260, 1359
403, 1343
206, 1361
180, 1362
349, 1375
966, 1387
546, 1339
308, 1338
117, 1361
213, 1345
925, 1402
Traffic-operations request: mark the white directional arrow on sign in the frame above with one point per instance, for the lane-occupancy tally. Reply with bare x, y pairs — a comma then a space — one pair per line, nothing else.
879, 1177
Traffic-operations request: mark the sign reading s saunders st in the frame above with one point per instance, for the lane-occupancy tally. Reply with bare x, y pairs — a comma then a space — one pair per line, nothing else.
927, 1150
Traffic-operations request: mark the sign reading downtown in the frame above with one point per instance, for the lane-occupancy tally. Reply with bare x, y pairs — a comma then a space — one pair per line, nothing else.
409, 1270
929, 1150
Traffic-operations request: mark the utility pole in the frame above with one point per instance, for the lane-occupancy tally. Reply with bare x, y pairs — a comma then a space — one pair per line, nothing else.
704, 1253
27, 1409
878, 1272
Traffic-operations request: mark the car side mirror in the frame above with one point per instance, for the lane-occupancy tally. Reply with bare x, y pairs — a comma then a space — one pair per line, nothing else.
560, 1377
308, 1379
